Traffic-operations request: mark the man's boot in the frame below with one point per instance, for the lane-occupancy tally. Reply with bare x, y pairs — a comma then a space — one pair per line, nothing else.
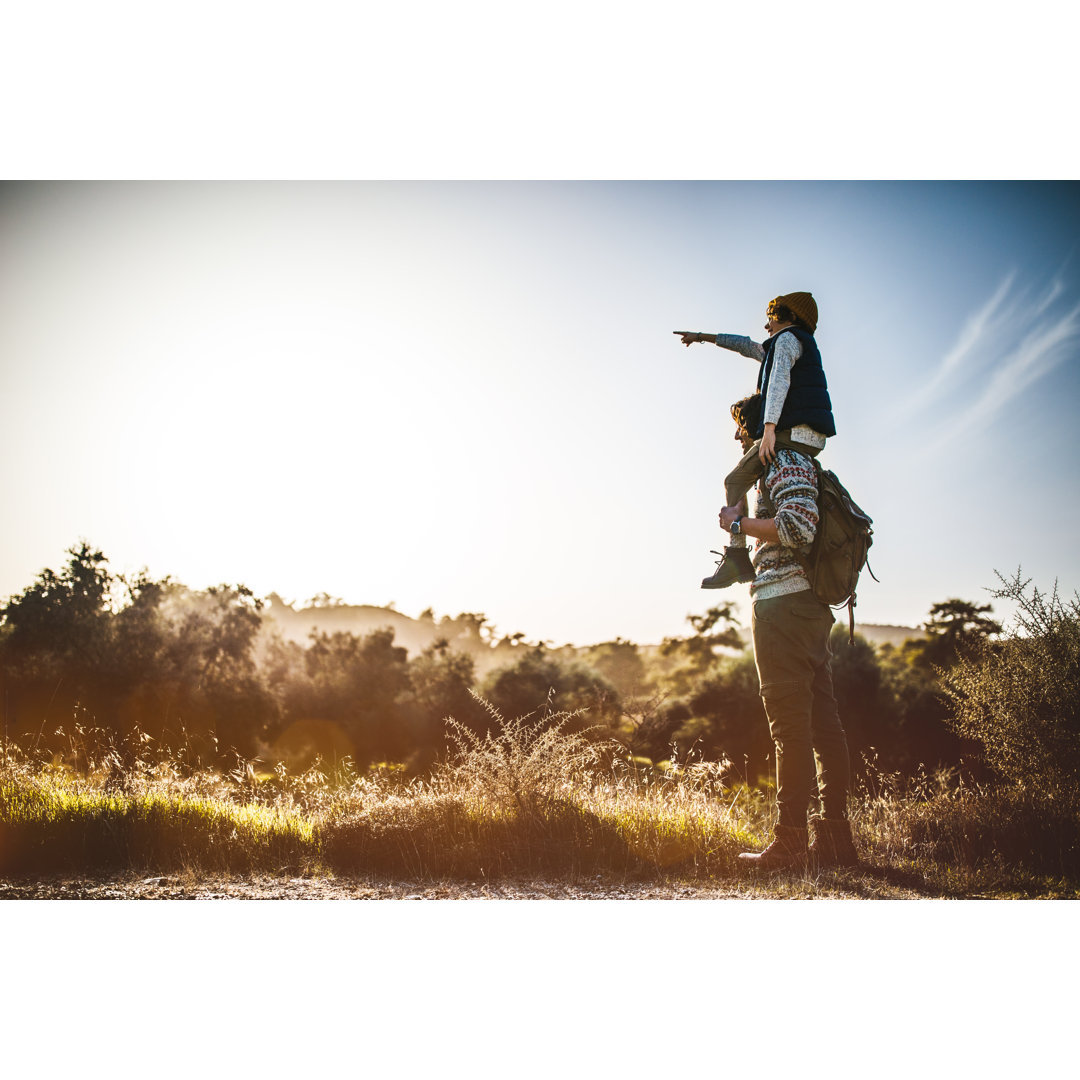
788, 851
734, 566
831, 843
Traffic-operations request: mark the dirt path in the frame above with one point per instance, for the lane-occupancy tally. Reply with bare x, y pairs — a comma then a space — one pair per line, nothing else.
850, 885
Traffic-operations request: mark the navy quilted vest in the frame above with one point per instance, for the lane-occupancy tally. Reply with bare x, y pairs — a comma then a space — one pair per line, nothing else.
808, 395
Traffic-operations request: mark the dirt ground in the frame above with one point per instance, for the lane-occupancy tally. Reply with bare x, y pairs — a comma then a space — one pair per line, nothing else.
849, 885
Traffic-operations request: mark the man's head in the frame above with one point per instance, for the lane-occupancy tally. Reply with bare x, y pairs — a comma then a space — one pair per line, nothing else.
746, 413
796, 309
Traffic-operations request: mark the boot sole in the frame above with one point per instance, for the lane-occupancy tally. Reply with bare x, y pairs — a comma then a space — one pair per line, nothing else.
706, 584
802, 866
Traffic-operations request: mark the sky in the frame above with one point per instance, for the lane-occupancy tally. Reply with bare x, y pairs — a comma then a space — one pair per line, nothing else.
468, 396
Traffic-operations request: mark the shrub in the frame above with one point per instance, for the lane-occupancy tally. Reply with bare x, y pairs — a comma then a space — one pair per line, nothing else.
514, 689
965, 836
1020, 697
729, 696
522, 764
506, 801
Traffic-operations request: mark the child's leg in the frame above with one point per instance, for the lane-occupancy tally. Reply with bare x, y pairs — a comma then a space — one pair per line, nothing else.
784, 441
744, 476
740, 480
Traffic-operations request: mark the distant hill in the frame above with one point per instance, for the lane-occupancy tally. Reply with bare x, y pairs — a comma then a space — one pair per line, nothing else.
360, 619
467, 633
461, 631
878, 634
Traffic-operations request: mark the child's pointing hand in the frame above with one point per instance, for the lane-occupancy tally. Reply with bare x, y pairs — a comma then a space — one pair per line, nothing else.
689, 337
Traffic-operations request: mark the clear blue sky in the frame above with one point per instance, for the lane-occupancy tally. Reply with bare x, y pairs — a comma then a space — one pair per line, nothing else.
468, 395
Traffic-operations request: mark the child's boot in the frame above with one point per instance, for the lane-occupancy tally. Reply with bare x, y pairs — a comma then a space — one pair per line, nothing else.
734, 566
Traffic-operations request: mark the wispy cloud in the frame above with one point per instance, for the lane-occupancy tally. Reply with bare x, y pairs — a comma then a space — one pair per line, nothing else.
1033, 358
984, 323
1055, 290
1014, 339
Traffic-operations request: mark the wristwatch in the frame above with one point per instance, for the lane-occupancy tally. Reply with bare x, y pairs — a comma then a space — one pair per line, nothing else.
736, 527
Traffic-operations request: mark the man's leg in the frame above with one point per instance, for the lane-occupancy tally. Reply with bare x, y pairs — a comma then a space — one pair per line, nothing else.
790, 647
830, 746
788, 710
790, 636
831, 843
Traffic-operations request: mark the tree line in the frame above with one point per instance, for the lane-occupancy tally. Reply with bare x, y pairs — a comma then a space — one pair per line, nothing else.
204, 673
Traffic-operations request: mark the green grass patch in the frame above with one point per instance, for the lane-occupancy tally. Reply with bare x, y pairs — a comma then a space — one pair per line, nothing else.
48, 826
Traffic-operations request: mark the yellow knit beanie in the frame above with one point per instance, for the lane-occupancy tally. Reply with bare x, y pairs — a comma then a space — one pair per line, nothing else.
802, 304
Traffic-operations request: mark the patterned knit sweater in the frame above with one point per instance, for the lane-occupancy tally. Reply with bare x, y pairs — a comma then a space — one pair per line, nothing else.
787, 493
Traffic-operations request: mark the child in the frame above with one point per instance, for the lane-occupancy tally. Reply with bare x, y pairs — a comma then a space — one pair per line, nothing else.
796, 412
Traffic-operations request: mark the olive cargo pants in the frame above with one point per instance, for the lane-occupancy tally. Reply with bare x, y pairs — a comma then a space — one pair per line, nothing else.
794, 665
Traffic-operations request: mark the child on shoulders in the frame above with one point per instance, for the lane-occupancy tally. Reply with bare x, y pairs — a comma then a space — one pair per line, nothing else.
795, 413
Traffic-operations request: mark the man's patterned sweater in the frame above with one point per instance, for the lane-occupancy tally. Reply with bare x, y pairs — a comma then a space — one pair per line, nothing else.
787, 493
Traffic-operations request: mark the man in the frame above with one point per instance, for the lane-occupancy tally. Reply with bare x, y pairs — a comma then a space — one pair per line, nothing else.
791, 650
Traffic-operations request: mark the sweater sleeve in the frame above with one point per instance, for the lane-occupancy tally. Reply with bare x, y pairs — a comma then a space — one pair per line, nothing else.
788, 350
740, 344
792, 488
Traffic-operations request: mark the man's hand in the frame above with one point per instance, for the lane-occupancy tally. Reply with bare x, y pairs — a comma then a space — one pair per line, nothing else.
758, 528
767, 450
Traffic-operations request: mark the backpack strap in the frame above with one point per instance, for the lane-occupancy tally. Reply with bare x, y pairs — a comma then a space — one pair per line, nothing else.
806, 560
850, 605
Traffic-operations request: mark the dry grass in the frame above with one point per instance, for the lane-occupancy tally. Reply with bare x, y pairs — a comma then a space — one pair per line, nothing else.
1000, 840
532, 798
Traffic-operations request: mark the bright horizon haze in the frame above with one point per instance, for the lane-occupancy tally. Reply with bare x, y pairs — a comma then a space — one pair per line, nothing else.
468, 395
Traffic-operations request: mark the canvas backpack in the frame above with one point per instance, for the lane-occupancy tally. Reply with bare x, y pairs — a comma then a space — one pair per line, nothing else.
840, 548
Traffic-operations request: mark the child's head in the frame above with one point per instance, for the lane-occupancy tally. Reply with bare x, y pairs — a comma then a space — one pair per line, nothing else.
798, 308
